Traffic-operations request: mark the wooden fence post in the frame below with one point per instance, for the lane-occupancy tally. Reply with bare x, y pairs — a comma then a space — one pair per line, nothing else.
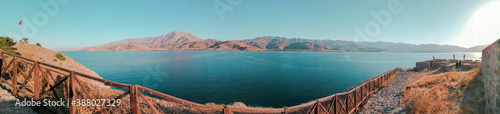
335, 104
355, 99
1, 66
317, 107
373, 84
14, 77
37, 81
72, 93
347, 102
383, 79
363, 92
134, 101
226, 110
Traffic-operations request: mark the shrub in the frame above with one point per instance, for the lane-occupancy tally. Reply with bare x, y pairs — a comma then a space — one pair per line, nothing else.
6, 43
8, 49
38, 44
25, 40
60, 57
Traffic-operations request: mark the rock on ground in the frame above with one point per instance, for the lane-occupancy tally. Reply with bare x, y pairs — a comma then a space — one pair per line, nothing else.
7, 104
388, 99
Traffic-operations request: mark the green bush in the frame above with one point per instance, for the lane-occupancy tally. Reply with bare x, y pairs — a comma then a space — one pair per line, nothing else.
60, 57
25, 40
8, 49
6, 43
38, 44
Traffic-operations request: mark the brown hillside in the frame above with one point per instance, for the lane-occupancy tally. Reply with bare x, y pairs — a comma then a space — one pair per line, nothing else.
170, 38
268, 42
42, 54
121, 47
234, 46
198, 45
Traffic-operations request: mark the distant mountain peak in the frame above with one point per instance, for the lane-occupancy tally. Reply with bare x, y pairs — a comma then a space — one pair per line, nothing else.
178, 32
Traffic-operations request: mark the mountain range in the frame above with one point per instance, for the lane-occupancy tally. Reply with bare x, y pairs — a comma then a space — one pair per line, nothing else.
182, 40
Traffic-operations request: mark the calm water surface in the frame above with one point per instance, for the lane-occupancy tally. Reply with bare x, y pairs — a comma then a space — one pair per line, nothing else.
268, 79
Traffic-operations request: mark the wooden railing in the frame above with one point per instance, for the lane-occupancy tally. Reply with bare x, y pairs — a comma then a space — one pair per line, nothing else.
339, 103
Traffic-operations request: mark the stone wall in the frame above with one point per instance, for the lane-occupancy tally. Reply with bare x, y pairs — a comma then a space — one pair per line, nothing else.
447, 67
436, 64
419, 66
440, 60
491, 77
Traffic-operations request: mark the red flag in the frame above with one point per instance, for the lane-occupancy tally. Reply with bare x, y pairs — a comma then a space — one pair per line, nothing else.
21, 22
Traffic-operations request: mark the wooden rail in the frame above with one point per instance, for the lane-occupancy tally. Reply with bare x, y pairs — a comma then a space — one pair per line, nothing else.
340, 103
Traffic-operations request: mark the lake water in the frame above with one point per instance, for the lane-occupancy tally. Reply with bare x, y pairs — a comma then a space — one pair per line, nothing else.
268, 79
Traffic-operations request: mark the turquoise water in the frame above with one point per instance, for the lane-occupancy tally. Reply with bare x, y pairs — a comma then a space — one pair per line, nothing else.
268, 79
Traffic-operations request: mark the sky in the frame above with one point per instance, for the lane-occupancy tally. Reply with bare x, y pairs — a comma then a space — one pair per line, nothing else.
83, 23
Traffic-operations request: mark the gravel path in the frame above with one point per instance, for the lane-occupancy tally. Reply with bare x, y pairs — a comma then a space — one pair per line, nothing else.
388, 99
7, 104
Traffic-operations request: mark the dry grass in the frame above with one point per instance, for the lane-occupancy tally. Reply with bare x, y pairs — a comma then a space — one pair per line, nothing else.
474, 100
443, 92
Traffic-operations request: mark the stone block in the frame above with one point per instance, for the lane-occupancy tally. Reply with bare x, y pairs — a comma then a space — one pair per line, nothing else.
436, 65
422, 65
489, 68
440, 60
447, 67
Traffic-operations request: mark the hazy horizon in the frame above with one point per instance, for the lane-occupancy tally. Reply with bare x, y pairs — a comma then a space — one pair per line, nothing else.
78, 24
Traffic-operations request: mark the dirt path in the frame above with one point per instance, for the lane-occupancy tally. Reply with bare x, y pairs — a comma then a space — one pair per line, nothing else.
7, 104
388, 99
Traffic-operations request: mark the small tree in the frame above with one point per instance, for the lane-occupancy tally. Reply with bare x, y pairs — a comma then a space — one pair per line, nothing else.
38, 44
25, 40
6, 43
8, 49
60, 57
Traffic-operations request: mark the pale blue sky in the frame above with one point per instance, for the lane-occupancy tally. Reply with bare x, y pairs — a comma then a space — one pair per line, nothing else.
82, 23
